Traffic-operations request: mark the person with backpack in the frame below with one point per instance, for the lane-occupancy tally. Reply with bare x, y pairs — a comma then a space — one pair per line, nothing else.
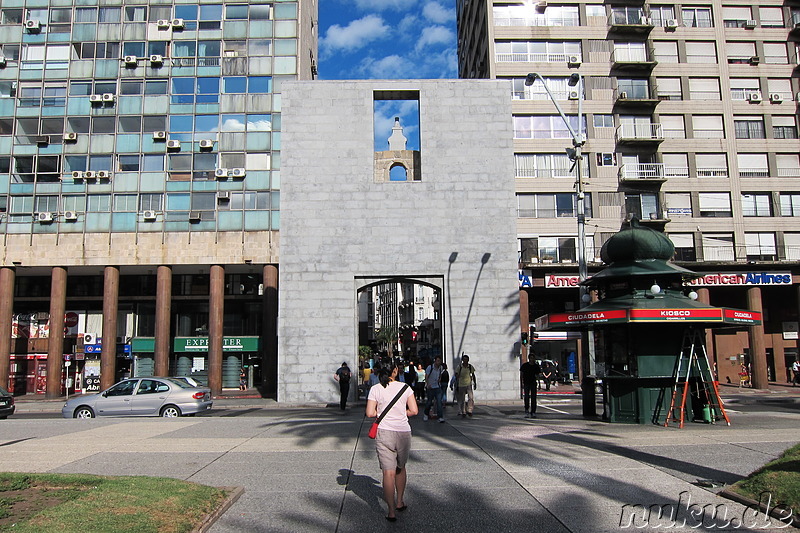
343, 376
444, 381
465, 385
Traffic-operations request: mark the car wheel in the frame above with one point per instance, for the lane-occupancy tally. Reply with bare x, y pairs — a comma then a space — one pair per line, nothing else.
170, 411
83, 412
3, 417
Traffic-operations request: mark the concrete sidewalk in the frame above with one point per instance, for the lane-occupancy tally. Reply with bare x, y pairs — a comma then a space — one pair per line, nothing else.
314, 469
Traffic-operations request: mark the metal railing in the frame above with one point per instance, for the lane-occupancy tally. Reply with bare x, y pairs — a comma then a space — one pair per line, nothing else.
536, 21
630, 18
676, 172
753, 172
646, 132
712, 172
642, 171
534, 57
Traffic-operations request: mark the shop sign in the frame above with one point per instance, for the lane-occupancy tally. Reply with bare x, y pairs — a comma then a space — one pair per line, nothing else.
91, 384
525, 279
570, 319
790, 330
559, 281
229, 344
737, 316
724, 279
665, 315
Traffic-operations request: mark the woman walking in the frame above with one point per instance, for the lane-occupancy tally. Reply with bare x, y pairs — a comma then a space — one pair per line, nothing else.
393, 442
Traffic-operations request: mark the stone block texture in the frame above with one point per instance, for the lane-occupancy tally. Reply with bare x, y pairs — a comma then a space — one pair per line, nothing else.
341, 230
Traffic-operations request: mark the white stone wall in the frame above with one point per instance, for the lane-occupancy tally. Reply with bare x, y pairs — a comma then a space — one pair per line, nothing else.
338, 225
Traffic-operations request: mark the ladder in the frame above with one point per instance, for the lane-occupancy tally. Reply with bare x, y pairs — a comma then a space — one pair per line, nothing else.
693, 357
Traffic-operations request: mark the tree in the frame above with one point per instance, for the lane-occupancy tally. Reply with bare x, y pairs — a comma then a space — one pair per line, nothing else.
387, 336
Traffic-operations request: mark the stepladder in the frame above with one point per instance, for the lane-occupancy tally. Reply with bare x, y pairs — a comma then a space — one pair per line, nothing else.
694, 382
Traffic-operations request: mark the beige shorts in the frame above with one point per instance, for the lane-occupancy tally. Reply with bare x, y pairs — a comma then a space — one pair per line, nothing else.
393, 448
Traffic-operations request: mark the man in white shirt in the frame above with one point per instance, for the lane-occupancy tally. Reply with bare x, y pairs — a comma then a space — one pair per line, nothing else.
434, 390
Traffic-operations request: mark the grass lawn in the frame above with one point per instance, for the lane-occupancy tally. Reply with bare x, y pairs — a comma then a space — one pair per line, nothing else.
82, 503
780, 479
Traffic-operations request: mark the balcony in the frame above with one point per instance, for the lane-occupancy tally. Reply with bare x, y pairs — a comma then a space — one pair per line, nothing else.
643, 173
623, 22
636, 98
650, 133
633, 60
753, 172
536, 57
712, 172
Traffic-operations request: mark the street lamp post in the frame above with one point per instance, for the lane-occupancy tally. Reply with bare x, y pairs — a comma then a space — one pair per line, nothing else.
576, 155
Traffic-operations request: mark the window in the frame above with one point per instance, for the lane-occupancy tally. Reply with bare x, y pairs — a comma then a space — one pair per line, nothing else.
697, 17
124, 203
546, 166
701, 52
635, 88
46, 204
684, 246
679, 204
545, 127
246, 84
665, 51
782, 87
74, 203
642, 205
752, 165
741, 88
558, 249
669, 89
771, 17
549, 205
788, 164
704, 89
756, 205
715, 204
740, 52
760, 246
749, 127
775, 53
190, 90
627, 15
150, 202
673, 126
129, 162
661, 14
707, 127
603, 121
606, 159
791, 243
558, 86
523, 15
629, 52
100, 203
676, 165
784, 127
736, 17
711, 165
790, 204
718, 247
537, 51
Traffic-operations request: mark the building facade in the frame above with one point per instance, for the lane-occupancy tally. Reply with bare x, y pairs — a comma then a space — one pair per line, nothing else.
690, 121
140, 158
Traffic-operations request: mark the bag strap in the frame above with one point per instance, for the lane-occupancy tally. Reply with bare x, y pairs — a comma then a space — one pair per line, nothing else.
394, 400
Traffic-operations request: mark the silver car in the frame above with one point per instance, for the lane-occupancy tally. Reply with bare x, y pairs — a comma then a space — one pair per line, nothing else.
143, 396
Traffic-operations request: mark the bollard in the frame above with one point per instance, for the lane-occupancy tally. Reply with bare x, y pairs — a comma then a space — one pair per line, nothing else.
588, 396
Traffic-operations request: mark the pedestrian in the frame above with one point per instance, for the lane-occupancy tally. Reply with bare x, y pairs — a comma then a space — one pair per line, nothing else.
444, 380
433, 376
343, 376
547, 374
465, 385
419, 387
393, 442
242, 380
795, 373
530, 372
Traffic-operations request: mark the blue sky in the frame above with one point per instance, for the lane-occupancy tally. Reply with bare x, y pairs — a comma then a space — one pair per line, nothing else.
387, 39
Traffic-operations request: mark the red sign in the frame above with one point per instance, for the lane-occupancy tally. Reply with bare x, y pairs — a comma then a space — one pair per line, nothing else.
661, 315
71, 319
592, 317
742, 317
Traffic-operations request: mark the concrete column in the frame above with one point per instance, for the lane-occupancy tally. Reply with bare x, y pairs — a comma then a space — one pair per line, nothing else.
7, 277
108, 356
758, 350
269, 364
524, 323
216, 311
55, 345
163, 317
704, 296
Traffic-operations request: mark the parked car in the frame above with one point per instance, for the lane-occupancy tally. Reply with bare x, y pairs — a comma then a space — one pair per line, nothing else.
191, 381
141, 396
6, 404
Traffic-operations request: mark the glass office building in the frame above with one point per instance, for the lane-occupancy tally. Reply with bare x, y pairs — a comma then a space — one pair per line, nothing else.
140, 188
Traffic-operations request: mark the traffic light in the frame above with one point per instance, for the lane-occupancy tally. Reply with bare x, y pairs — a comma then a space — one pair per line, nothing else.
524, 338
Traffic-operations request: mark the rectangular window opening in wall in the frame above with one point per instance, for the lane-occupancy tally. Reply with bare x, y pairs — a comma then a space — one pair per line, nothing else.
396, 136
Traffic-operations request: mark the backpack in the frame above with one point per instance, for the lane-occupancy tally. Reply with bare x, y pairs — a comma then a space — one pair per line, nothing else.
344, 375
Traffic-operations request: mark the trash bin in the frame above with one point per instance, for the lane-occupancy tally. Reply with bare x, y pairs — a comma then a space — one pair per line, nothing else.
589, 395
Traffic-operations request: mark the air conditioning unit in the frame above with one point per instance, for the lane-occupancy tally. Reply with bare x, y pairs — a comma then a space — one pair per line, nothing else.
223, 195
164, 24
755, 60
623, 95
775, 98
645, 21
749, 24
103, 174
754, 98
149, 214
131, 60
77, 174
2, 62
177, 24
108, 97
33, 25
671, 24
221, 173
574, 95
89, 175
90, 338
173, 145
70, 215
573, 61
94, 98
156, 60
45, 216
159, 135
194, 215
238, 172
70, 136
207, 144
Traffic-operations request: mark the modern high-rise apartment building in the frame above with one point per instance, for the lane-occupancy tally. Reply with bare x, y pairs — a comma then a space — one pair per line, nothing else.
140, 187
690, 114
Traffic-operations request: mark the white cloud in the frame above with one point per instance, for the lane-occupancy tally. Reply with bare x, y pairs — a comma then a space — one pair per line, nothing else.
407, 27
435, 12
384, 5
433, 35
391, 67
355, 35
